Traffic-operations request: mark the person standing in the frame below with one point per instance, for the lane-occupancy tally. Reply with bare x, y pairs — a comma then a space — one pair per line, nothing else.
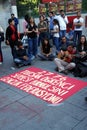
25, 22
11, 36
78, 25
32, 31
63, 21
15, 20
55, 33
43, 29
1, 39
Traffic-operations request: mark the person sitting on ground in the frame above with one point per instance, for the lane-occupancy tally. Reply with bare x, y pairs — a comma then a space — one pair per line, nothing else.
65, 59
46, 50
21, 58
63, 43
82, 47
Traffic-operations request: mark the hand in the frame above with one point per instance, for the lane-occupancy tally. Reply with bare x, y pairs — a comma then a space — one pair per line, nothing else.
83, 53
33, 30
25, 57
7, 42
62, 52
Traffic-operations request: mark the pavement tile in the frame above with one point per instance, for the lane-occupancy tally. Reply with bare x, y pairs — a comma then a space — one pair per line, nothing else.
50, 119
14, 115
81, 125
73, 111
34, 103
8, 96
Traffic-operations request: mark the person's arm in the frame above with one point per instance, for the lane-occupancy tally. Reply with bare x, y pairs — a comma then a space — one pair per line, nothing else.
55, 30
80, 23
66, 19
27, 31
7, 35
42, 28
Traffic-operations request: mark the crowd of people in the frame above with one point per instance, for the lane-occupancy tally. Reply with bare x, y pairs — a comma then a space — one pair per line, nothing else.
47, 40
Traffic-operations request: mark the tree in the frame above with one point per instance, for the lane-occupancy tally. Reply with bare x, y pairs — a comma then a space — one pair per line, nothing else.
84, 5
27, 7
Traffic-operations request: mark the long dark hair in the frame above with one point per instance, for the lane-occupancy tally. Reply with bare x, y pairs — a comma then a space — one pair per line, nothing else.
43, 42
56, 22
85, 43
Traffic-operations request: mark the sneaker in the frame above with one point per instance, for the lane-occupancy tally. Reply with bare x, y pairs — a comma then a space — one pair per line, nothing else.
64, 72
56, 69
0, 63
33, 57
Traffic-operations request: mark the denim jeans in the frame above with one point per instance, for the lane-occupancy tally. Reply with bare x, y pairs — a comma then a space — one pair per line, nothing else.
62, 33
43, 57
32, 47
56, 43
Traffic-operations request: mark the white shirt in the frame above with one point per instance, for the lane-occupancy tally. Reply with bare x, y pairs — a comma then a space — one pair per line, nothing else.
62, 22
76, 20
56, 34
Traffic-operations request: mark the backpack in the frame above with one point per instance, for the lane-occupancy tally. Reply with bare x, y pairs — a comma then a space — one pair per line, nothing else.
80, 69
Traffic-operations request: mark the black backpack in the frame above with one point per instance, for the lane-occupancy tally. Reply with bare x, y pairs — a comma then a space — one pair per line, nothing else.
80, 69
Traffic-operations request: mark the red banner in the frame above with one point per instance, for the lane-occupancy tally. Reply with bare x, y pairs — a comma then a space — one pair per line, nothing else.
51, 87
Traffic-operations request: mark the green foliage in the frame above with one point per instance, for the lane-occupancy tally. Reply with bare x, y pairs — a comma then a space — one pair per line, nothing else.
31, 7
27, 7
84, 5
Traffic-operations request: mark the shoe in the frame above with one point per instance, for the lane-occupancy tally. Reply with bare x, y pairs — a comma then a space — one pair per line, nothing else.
56, 69
33, 57
20, 65
0, 63
64, 72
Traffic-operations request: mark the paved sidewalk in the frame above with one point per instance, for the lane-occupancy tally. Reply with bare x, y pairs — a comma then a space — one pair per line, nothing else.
21, 111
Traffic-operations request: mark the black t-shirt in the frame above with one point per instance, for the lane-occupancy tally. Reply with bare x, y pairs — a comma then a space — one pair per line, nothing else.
21, 52
30, 28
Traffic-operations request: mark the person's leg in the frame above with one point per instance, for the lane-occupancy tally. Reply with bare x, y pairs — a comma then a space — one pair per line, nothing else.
70, 66
64, 33
79, 36
43, 57
56, 43
60, 64
75, 38
51, 57
34, 46
61, 34
30, 48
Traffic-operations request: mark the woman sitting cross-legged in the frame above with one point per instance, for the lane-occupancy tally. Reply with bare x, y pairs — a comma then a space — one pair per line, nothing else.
65, 59
46, 50
21, 58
